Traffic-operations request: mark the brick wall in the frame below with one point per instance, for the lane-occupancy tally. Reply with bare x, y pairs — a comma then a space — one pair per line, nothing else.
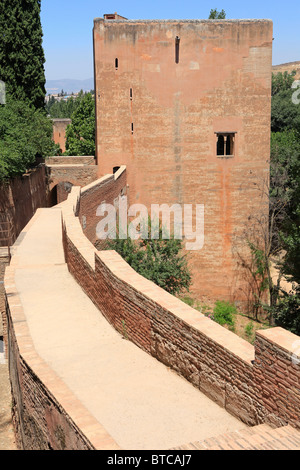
19, 200
46, 414
277, 374
59, 132
255, 384
215, 360
4, 261
74, 174
106, 189
70, 160
221, 83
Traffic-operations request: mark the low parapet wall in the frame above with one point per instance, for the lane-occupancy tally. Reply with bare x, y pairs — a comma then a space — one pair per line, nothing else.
46, 413
71, 160
245, 380
104, 190
19, 199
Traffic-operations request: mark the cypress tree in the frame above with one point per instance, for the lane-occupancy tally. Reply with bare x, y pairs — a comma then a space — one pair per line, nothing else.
21, 53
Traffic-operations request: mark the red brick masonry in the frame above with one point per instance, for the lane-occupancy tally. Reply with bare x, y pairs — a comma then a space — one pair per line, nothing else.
256, 384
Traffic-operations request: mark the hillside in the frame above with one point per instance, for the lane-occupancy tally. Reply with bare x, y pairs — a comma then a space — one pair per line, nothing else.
69, 85
289, 67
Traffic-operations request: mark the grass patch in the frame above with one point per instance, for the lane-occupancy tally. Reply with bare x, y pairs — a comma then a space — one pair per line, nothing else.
228, 316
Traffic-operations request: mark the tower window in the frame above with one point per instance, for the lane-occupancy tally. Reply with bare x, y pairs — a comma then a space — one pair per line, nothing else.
132, 128
131, 93
225, 144
116, 63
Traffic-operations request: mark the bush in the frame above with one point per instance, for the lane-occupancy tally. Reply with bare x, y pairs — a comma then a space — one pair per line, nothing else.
162, 261
249, 329
287, 311
223, 313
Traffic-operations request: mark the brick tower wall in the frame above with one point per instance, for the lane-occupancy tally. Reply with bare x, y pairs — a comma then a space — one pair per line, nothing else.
164, 90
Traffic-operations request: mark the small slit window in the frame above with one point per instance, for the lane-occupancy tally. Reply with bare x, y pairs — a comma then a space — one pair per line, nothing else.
116, 63
131, 93
225, 144
132, 128
177, 41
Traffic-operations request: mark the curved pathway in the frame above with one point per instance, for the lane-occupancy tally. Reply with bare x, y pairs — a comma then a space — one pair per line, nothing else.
140, 402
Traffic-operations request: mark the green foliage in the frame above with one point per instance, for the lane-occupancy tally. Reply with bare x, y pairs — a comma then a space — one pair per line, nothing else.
80, 134
64, 108
285, 151
287, 311
188, 300
291, 244
285, 178
25, 133
285, 187
159, 260
217, 15
224, 313
261, 264
285, 114
282, 81
249, 329
21, 52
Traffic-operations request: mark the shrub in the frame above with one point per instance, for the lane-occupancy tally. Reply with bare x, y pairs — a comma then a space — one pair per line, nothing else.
287, 311
162, 261
249, 329
223, 313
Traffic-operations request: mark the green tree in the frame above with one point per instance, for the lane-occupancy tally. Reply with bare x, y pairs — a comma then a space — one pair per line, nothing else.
162, 261
285, 171
25, 134
217, 15
285, 114
63, 108
80, 134
21, 52
287, 311
285, 187
282, 81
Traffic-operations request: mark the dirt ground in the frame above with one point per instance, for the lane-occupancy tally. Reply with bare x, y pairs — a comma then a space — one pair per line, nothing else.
7, 438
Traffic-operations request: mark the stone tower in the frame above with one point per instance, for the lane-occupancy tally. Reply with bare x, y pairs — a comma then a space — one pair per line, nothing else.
185, 105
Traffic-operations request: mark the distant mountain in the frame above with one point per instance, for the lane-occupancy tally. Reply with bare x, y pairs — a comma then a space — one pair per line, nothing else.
69, 85
289, 67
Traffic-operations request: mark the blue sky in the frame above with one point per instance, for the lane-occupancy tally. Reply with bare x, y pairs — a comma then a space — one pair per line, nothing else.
68, 24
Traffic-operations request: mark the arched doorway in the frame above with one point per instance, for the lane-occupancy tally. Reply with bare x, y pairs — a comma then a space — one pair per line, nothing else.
60, 192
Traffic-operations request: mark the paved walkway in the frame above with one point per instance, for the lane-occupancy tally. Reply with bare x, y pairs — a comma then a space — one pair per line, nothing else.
140, 402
